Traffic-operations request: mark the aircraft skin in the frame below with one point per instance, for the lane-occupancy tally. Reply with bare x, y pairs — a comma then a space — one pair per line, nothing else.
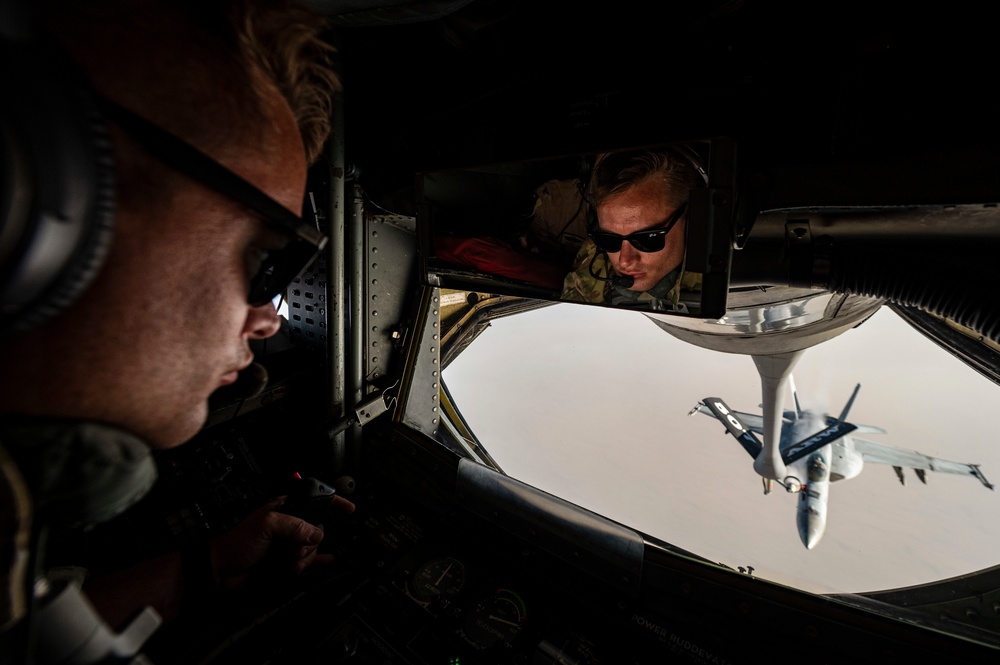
816, 449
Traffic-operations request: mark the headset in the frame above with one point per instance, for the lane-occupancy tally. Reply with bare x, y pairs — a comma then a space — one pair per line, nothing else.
57, 186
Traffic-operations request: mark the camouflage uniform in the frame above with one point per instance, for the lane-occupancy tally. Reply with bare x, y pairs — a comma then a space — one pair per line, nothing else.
590, 282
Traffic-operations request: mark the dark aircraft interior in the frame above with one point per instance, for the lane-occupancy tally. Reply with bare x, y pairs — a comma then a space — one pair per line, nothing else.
846, 147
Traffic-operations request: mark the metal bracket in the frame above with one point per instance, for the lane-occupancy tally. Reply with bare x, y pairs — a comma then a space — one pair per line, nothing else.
366, 410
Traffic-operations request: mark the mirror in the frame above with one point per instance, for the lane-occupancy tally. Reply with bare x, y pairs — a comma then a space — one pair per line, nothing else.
647, 228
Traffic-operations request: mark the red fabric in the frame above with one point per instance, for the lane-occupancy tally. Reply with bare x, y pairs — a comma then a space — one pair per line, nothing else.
498, 257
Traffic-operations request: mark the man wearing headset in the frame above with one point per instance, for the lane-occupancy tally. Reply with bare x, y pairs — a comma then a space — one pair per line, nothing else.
634, 256
214, 111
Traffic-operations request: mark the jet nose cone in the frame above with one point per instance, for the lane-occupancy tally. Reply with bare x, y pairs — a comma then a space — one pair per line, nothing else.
811, 538
812, 524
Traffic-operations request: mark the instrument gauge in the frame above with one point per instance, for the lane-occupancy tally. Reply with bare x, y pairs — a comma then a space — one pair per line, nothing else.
438, 580
496, 619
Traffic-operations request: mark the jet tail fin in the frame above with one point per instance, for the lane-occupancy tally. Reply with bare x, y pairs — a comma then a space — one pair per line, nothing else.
850, 403
733, 425
795, 397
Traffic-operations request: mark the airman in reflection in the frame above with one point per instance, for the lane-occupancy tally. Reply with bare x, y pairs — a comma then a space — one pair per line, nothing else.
635, 253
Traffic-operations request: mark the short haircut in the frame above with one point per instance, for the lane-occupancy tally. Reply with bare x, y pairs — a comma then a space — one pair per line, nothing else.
187, 63
285, 42
617, 171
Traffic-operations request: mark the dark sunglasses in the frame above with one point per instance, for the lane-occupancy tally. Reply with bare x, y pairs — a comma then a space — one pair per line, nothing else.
644, 241
278, 267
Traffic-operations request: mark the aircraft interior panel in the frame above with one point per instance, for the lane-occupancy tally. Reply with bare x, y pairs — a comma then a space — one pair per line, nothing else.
440, 564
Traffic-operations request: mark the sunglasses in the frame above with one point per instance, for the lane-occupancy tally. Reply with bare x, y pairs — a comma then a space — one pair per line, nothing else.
277, 267
644, 241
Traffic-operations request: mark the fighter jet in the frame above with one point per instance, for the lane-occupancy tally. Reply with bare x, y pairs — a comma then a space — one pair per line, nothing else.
810, 450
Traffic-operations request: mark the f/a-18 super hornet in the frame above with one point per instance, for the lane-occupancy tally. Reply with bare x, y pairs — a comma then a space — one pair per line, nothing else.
810, 450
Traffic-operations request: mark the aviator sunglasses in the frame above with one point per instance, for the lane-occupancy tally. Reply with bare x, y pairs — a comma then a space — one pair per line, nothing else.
645, 241
278, 267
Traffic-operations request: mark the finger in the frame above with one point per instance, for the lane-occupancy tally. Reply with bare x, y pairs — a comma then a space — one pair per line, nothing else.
323, 559
340, 505
275, 503
312, 560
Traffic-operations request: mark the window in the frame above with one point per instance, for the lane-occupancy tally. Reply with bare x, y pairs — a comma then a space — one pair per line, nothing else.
592, 405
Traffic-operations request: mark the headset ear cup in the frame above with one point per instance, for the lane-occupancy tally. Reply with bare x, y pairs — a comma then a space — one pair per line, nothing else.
696, 162
58, 178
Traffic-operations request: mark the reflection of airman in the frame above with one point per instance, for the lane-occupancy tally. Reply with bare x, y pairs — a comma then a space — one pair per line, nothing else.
640, 203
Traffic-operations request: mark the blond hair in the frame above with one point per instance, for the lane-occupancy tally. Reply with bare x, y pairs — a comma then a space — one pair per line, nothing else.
284, 41
617, 171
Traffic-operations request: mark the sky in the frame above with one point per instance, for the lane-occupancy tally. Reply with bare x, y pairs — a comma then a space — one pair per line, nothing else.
591, 404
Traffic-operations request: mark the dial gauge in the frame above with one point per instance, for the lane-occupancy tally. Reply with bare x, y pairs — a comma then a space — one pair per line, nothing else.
438, 580
494, 619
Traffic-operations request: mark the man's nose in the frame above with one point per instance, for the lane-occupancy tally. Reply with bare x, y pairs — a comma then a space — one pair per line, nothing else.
629, 254
262, 322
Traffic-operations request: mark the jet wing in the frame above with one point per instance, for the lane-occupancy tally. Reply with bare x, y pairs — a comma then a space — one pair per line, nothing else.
733, 420
897, 457
751, 421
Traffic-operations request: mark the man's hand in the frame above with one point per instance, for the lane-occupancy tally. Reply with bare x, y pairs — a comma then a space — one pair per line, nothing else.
291, 542
287, 542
